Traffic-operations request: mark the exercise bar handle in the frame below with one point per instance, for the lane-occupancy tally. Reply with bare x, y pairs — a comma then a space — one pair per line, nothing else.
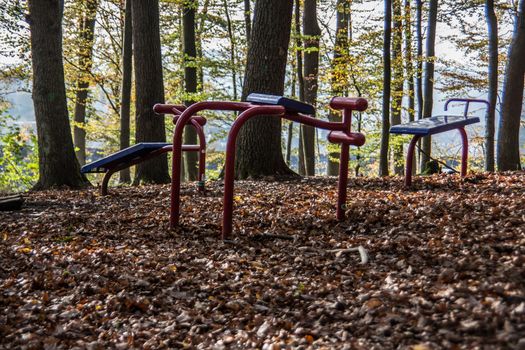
468, 101
168, 109
353, 103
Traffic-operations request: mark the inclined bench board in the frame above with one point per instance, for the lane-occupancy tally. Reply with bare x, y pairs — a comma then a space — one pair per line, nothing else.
289, 104
139, 150
433, 125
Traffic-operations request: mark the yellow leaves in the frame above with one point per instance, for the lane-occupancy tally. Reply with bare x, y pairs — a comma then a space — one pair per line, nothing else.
420, 347
25, 250
98, 307
237, 199
5, 236
309, 338
172, 268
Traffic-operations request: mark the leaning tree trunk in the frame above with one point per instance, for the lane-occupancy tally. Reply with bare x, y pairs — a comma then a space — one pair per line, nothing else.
339, 73
492, 28
85, 63
419, 69
149, 87
247, 21
508, 153
428, 84
312, 33
125, 97
56, 156
397, 82
259, 143
387, 76
190, 83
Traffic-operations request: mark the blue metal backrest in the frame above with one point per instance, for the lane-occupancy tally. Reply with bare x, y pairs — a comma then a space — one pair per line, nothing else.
293, 106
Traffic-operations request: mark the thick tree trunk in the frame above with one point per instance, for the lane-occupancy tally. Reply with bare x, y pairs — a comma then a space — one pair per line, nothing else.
492, 29
387, 75
190, 84
339, 79
56, 156
312, 33
428, 84
508, 152
148, 87
397, 82
259, 143
125, 91
85, 62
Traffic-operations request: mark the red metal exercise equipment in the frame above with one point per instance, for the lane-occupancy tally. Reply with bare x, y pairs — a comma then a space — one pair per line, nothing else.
340, 132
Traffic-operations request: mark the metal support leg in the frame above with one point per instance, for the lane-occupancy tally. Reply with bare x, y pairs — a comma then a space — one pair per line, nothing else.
464, 152
343, 182
410, 159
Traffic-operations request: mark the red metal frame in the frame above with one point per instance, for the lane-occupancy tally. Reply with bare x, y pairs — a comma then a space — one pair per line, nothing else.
340, 133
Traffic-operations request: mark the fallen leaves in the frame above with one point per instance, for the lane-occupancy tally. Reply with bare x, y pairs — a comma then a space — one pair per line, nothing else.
438, 266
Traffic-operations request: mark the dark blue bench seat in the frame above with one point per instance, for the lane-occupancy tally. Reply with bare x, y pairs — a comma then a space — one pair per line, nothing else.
433, 125
123, 156
290, 105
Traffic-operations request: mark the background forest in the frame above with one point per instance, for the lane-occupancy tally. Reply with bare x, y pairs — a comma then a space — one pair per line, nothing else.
382, 51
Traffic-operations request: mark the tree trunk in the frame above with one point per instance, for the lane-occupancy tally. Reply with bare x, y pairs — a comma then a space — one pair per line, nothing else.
247, 21
492, 28
387, 75
312, 33
300, 80
190, 83
508, 153
428, 84
339, 79
85, 62
419, 69
259, 150
397, 82
148, 87
56, 156
125, 97
233, 48
409, 67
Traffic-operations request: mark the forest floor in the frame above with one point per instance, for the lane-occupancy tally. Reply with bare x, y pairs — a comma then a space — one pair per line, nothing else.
445, 267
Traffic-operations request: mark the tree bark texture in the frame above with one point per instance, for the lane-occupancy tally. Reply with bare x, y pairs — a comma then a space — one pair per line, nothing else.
125, 91
312, 33
259, 150
419, 69
339, 71
387, 77
300, 79
428, 84
397, 81
492, 30
57, 162
409, 67
508, 152
85, 63
190, 83
149, 87
248, 20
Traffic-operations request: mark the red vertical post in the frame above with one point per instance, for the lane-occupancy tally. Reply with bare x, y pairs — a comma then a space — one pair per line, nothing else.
229, 165
202, 155
343, 182
464, 152
410, 159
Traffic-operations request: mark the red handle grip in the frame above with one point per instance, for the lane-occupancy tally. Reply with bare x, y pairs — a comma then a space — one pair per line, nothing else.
353, 103
168, 109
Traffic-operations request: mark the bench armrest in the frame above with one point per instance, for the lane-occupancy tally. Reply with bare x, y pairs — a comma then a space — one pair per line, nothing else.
468, 101
160, 108
352, 103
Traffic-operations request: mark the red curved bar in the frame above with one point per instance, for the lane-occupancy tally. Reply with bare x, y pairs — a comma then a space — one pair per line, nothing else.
316, 123
200, 120
354, 103
160, 108
230, 159
177, 147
